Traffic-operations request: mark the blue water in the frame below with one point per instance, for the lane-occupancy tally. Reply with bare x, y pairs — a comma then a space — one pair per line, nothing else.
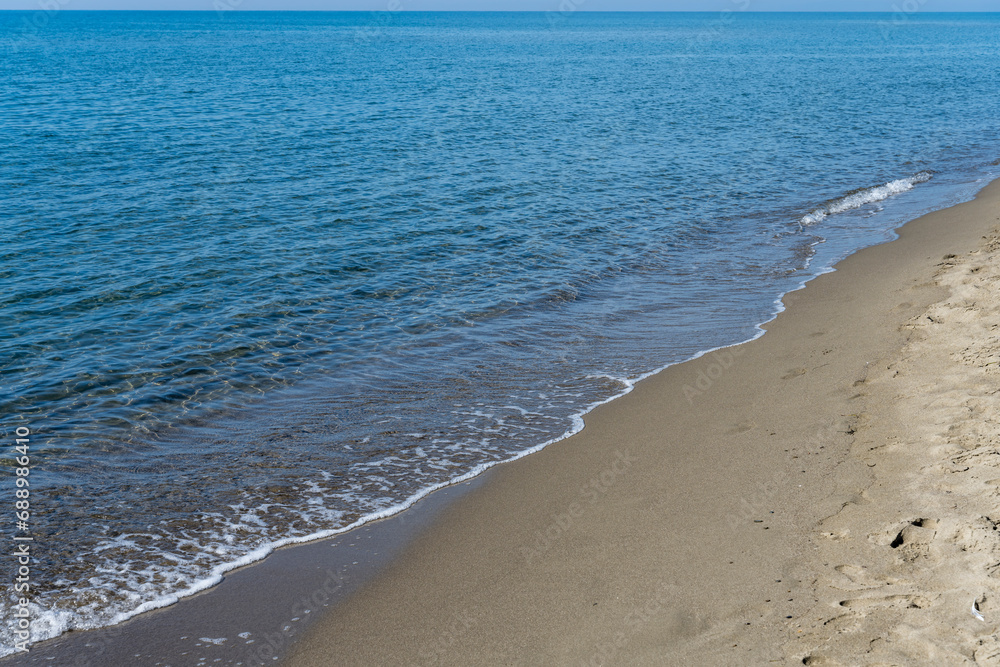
268, 274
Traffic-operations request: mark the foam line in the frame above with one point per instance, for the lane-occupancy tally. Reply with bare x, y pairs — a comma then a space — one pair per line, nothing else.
858, 198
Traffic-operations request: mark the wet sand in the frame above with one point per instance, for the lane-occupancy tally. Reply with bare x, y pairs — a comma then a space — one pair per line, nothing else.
822, 495
257, 612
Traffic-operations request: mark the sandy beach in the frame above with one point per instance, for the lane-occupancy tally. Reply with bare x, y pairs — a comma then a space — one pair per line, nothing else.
823, 495
306, 312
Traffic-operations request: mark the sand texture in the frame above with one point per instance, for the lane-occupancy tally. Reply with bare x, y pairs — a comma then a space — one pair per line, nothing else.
826, 494
908, 567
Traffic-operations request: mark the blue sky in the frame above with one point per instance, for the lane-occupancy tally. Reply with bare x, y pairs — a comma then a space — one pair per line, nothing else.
529, 5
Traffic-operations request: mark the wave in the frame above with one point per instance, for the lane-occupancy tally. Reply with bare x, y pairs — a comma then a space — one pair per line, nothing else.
858, 198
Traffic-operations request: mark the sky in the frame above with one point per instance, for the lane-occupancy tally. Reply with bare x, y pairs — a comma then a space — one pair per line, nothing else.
907, 6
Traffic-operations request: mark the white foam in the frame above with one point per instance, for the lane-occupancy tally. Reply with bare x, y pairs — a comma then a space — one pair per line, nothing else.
859, 198
58, 623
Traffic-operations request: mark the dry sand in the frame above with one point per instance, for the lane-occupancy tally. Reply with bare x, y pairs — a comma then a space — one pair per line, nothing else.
826, 494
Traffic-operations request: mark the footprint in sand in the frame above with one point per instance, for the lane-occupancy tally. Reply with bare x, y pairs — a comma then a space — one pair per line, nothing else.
918, 532
856, 578
848, 622
887, 602
743, 427
819, 661
910, 542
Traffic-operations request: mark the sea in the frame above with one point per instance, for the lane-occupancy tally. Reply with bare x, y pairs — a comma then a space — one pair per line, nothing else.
270, 275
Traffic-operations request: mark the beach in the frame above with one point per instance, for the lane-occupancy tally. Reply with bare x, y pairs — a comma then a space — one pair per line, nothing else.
822, 495
478, 337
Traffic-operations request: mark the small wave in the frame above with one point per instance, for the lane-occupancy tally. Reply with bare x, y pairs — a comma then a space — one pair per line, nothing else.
860, 197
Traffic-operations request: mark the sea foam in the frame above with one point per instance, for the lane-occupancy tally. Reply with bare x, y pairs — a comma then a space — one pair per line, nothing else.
858, 198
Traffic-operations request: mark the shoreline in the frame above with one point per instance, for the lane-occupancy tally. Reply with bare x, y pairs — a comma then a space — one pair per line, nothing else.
254, 614
680, 523
274, 300
402, 539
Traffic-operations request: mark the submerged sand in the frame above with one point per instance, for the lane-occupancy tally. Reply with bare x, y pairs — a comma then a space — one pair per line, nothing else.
826, 494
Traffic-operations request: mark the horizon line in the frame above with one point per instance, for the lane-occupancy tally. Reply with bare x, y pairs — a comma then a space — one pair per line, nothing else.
512, 11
